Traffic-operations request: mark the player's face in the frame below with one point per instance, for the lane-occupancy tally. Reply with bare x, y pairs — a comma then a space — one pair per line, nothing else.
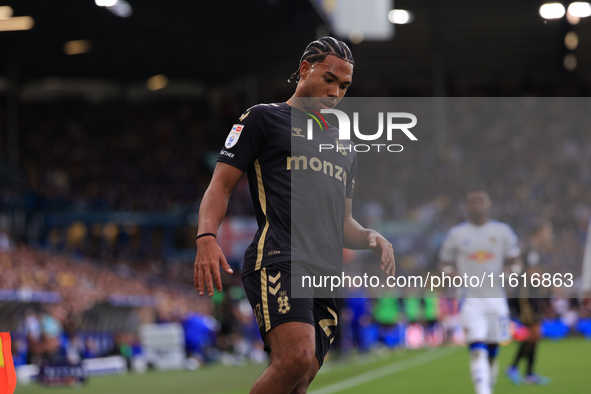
325, 83
477, 206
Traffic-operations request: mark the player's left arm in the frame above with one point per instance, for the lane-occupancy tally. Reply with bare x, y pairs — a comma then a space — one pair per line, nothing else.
448, 254
512, 251
358, 237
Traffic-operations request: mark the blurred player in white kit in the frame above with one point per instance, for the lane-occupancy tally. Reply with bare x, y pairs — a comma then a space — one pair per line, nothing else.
478, 247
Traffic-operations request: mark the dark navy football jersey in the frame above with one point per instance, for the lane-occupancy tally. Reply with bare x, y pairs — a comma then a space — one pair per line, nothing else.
298, 191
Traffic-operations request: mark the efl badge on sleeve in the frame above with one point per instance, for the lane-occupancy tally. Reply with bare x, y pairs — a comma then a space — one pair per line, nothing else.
233, 136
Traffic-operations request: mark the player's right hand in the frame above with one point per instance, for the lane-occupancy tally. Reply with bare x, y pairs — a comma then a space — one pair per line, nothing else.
207, 264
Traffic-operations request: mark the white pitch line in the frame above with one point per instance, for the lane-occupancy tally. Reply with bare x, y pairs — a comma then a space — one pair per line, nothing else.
390, 369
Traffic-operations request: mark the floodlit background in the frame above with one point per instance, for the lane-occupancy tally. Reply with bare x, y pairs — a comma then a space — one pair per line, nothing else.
112, 113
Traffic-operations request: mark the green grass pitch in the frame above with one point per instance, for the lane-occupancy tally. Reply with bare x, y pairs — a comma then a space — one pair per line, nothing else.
440, 371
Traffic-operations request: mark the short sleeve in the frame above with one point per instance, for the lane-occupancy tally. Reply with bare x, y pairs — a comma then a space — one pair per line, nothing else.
449, 249
350, 187
246, 140
511, 244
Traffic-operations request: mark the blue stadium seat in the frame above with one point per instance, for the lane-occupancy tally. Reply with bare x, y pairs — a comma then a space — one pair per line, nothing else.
584, 327
554, 329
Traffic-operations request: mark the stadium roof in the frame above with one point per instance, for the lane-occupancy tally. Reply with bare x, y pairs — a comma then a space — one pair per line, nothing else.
215, 41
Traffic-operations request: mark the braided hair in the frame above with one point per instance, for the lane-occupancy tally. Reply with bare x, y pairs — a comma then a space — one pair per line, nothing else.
317, 51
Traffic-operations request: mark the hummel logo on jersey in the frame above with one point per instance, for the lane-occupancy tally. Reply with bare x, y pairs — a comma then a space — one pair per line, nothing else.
298, 132
234, 135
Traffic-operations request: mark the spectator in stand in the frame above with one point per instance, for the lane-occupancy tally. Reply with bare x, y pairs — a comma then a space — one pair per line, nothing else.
34, 340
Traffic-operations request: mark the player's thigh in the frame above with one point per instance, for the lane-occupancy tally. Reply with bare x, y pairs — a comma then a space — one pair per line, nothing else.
292, 340
534, 332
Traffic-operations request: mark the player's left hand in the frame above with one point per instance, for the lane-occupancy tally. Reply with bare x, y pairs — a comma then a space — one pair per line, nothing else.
384, 250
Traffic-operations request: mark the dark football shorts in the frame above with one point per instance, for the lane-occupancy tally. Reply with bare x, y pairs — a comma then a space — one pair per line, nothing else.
269, 293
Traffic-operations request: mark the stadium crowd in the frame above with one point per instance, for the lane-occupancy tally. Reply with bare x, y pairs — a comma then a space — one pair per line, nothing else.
119, 155
83, 284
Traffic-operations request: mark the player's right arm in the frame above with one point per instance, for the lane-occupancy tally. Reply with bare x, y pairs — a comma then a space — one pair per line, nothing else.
243, 146
448, 254
211, 213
